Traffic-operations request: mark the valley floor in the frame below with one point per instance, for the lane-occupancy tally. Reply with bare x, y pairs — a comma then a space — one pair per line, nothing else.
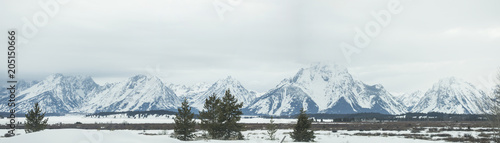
156, 129
162, 136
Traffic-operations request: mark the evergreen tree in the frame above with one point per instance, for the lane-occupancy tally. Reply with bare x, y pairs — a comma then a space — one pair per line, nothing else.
184, 122
229, 114
300, 132
208, 117
271, 129
495, 119
220, 117
34, 120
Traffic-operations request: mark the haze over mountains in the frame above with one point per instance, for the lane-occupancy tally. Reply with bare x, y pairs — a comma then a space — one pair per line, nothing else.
320, 88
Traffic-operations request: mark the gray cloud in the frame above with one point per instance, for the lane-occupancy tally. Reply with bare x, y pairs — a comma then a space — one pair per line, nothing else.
259, 42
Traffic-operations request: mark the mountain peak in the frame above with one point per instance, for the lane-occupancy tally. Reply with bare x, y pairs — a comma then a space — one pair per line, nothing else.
325, 88
58, 77
219, 88
329, 68
449, 80
322, 71
228, 80
55, 76
140, 77
453, 95
326, 65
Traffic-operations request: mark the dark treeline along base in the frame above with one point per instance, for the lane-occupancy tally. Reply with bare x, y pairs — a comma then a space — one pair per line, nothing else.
6, 114
378, 117
134, 113
396, 126
358, 117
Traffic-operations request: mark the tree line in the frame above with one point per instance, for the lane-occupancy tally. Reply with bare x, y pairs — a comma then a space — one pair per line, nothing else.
220, 117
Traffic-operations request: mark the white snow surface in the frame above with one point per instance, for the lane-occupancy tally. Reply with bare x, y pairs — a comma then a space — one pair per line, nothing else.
137, 136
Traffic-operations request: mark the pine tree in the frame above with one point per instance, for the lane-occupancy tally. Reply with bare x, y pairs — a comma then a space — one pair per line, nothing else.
495, 119
208, 117
229, 115
184, 122
34, 120
300, 132
271, 129
220, 117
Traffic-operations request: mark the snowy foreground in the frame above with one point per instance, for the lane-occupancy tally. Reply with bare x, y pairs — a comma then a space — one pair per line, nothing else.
163, 136
135, 136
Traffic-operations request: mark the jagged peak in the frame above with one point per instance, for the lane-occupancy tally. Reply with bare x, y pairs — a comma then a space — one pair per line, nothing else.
228, 80
324, 70
56, 75
201, 84
327, 66
144, 77
328, 69
61, 77
448, 82
53, 77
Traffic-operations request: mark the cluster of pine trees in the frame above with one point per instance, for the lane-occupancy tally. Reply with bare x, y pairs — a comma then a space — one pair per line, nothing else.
219, 118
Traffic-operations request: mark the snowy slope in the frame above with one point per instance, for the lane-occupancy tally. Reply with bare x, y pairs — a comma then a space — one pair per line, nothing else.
62, 94
57, 93
138, 93
410, 99
20, 86
189, 91
219, 88
452, 95
324, 88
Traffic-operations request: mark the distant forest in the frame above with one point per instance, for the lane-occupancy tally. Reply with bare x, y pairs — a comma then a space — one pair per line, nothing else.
358, 117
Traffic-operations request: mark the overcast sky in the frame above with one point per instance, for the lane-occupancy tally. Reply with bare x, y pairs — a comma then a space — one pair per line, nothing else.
259, 42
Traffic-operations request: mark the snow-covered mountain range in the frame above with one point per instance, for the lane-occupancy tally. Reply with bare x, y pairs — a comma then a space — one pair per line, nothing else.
452, 95
56, 93
138, 93
319, 88
324, 88
197, 93
410, 99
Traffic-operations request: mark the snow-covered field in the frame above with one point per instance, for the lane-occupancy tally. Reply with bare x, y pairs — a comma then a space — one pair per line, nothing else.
154, 136
137, 136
